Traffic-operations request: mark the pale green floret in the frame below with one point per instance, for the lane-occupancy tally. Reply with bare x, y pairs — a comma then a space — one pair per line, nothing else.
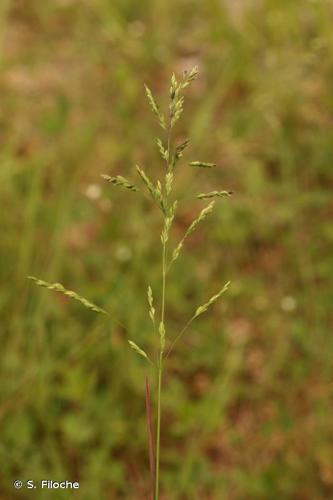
156, 193
164, 152
168, 223
168, 182
214, 194
180, 148
118, 180
146, 180
138, 350
155, 107
201, 164
151, 304
189, 76
176, 105
177, 110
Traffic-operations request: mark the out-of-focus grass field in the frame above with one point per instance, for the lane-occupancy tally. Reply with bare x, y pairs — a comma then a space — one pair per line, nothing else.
248, 394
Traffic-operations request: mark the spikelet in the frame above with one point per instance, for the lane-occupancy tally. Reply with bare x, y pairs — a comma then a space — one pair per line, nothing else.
203, 214
162, 150
214, 194
177, 110
176, 105
151, 304
180, 148
159, 197
156, 193
165, 230
168, 222
201, 164
69, 293
189, 76
211, 301
120, 181
138, 350
155, 107
168, 182
174, 88
146, 180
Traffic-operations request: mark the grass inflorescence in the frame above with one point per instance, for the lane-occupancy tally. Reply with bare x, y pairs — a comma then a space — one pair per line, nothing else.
161, 195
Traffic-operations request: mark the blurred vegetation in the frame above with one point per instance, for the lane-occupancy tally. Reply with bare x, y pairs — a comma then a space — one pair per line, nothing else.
248, 396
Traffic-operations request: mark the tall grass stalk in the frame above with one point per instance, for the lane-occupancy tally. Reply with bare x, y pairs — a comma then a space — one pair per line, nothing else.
161, 195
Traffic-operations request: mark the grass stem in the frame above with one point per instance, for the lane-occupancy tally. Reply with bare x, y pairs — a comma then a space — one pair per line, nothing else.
150, 437
160, 373
158, 430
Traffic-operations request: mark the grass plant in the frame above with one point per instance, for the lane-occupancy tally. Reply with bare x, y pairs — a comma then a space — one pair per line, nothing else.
161, 194
73, 108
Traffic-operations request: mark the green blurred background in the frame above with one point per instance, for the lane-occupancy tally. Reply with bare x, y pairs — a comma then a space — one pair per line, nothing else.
248, 394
